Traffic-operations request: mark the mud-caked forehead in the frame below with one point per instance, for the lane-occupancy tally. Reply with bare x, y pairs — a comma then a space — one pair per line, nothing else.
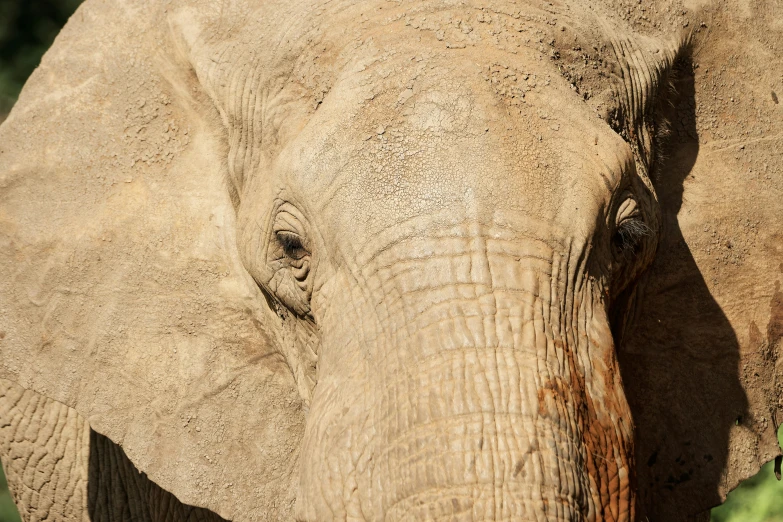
505, 92
459, 135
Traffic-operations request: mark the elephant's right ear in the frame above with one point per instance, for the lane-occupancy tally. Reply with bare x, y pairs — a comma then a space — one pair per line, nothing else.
122, 292
702, 357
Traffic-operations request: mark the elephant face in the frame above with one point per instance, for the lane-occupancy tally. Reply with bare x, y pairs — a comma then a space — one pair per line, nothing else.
452, 258
366, 261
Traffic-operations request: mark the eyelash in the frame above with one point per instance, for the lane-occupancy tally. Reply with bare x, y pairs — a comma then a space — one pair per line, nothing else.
292, 245
629, 234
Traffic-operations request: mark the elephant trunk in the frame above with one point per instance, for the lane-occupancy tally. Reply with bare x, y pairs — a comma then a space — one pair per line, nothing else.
503, 412
495, 398
497, 431
477, 435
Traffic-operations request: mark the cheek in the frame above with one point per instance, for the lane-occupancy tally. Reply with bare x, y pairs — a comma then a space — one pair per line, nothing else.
339, 309
251, 243
338, 432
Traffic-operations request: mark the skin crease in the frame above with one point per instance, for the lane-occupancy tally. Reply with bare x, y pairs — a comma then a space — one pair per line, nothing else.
370, 260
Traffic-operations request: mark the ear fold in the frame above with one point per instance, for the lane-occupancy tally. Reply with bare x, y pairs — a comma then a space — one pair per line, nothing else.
123, 295
700, 354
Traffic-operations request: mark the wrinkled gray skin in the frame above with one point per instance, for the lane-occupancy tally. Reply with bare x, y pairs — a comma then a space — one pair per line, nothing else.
405, 238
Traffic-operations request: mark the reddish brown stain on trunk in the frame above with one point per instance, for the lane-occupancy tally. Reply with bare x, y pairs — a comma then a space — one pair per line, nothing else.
554, 392
600, 440
602, 446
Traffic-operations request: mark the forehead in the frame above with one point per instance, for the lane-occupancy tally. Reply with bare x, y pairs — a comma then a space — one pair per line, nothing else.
427, 130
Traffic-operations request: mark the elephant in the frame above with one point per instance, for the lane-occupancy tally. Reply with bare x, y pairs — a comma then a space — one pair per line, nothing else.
325, 260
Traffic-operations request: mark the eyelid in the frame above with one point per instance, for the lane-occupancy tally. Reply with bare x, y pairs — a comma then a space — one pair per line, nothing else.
628, 209
285, 222
287, 216
284, 232
289, 223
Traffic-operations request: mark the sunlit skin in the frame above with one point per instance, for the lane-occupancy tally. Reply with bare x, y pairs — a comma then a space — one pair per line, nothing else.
390, 261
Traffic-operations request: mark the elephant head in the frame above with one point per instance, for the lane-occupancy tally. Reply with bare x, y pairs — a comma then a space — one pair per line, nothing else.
396, 261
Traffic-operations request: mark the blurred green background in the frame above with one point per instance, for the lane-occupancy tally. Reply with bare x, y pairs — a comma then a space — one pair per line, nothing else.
7, 509
27, 29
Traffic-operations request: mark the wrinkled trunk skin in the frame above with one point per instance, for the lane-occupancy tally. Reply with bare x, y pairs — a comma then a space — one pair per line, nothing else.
487, 391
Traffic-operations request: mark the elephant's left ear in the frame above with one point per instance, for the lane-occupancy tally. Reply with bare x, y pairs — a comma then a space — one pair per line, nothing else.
702, 354
121, 293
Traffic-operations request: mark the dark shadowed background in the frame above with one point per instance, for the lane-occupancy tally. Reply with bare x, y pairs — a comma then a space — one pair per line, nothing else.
28, 28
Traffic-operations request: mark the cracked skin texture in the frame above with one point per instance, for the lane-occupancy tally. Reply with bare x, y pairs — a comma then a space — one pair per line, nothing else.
59, 469
392, 261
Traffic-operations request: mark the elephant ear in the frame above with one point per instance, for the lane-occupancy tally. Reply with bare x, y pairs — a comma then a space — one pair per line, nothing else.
701, 355
122, 293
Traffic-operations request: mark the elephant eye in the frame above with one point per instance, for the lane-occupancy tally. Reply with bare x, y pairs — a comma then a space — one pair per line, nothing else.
290, 259
630, 228
292, 245
629, 234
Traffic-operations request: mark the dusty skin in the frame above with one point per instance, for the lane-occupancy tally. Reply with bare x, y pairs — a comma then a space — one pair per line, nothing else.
393, 260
